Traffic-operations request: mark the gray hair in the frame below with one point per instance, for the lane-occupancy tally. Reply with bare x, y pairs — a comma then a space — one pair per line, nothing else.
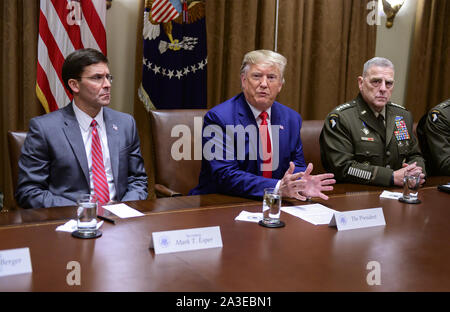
264, 57
377, 61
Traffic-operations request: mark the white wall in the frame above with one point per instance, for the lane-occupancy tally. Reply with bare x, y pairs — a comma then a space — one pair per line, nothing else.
121, 27
395, 44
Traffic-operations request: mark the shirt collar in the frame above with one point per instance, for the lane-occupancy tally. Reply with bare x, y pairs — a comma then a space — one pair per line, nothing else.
383, 112
256, 112
84, 120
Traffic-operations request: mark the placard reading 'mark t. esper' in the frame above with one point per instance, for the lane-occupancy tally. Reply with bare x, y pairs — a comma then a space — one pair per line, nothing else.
184, 240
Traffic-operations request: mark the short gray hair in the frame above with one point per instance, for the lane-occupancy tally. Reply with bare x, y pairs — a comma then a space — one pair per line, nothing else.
377, 61
264, 57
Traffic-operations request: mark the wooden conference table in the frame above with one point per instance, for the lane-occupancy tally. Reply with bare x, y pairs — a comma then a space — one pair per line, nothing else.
413, 249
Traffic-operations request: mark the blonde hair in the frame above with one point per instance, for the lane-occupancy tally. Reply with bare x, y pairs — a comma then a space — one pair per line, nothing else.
264, 57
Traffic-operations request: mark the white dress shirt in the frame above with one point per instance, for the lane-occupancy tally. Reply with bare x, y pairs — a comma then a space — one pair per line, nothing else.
256, 112
84, 120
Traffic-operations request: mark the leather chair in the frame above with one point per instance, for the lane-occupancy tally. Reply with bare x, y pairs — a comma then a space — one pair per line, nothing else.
175, 177
15, 142
310, 134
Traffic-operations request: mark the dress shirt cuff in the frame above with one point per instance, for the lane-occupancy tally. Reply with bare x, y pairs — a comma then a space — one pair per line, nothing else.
277, 186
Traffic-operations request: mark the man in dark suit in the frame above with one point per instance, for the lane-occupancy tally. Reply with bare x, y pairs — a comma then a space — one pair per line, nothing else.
59, 161
252, 142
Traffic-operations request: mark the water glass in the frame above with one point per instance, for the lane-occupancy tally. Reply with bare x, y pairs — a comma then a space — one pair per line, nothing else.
271, 207
87, 214
411, 184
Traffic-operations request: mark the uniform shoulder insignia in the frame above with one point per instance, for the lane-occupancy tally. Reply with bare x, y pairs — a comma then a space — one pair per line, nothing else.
397, 105
435, 114
444, 104
344, 106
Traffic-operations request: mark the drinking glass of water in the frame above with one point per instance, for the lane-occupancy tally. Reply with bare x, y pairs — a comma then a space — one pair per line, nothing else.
87, 216
271, 208
411, 184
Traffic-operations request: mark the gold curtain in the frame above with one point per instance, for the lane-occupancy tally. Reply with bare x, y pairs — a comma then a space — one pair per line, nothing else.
18, 51
326, 43
429, 67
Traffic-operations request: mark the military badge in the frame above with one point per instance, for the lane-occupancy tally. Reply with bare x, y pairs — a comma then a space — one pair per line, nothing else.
333, 120
364, 129
402, 132
435, 115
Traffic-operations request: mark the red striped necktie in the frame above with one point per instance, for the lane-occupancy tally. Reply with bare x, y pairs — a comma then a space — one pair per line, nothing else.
98, 169
266, 146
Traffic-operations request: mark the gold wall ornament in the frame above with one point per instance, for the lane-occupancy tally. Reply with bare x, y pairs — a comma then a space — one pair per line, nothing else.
390, 8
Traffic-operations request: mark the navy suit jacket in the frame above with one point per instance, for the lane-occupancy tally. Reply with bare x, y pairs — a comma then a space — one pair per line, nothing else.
241, 174
53, 167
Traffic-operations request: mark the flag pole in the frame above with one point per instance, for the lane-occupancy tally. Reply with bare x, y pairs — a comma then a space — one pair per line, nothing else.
276, 26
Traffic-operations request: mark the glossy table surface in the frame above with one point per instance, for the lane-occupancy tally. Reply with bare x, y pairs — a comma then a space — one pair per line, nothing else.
412, 249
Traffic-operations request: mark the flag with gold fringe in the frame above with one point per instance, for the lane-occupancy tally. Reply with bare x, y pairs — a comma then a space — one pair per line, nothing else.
174, 56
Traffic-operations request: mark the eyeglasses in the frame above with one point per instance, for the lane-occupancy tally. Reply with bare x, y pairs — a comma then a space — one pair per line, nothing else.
375, 82
100, 78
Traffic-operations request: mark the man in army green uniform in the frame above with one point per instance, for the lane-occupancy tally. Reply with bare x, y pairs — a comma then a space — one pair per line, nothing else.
370, 140
433, 131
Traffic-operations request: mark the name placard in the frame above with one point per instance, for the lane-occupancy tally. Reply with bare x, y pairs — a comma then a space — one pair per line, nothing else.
184, 240
15, 261
357, 219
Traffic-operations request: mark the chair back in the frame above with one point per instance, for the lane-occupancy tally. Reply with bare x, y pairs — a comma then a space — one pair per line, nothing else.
310, 134
173, 133
15, 142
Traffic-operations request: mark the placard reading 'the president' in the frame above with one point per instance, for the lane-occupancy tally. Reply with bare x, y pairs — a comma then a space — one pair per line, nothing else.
357, 219
184, 240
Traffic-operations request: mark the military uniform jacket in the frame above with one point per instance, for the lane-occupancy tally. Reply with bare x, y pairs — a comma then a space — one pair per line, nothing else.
433, 131
357, 149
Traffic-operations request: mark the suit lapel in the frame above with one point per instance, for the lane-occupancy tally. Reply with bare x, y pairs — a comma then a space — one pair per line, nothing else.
72, 131
246, 118
245, 114
390, 123
112, 132
279, 141
367, 116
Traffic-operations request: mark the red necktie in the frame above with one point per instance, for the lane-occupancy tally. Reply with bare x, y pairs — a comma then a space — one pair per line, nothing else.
266, 146
98, 169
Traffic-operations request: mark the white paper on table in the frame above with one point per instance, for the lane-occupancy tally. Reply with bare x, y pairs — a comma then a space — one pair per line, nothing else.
123, 211
314, 213
391, 195
71, 226
249, 216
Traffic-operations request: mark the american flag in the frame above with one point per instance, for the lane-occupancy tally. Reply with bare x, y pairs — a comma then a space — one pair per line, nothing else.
65, 26
164, 11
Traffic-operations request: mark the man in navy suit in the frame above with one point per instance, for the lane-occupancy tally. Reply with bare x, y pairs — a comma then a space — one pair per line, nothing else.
252, 142
56, 162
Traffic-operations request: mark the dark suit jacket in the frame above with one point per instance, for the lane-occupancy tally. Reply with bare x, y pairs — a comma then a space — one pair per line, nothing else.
53, 167
240, 175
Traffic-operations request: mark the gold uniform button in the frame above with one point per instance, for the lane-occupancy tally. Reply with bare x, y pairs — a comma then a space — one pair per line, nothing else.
388, 153
387, 166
